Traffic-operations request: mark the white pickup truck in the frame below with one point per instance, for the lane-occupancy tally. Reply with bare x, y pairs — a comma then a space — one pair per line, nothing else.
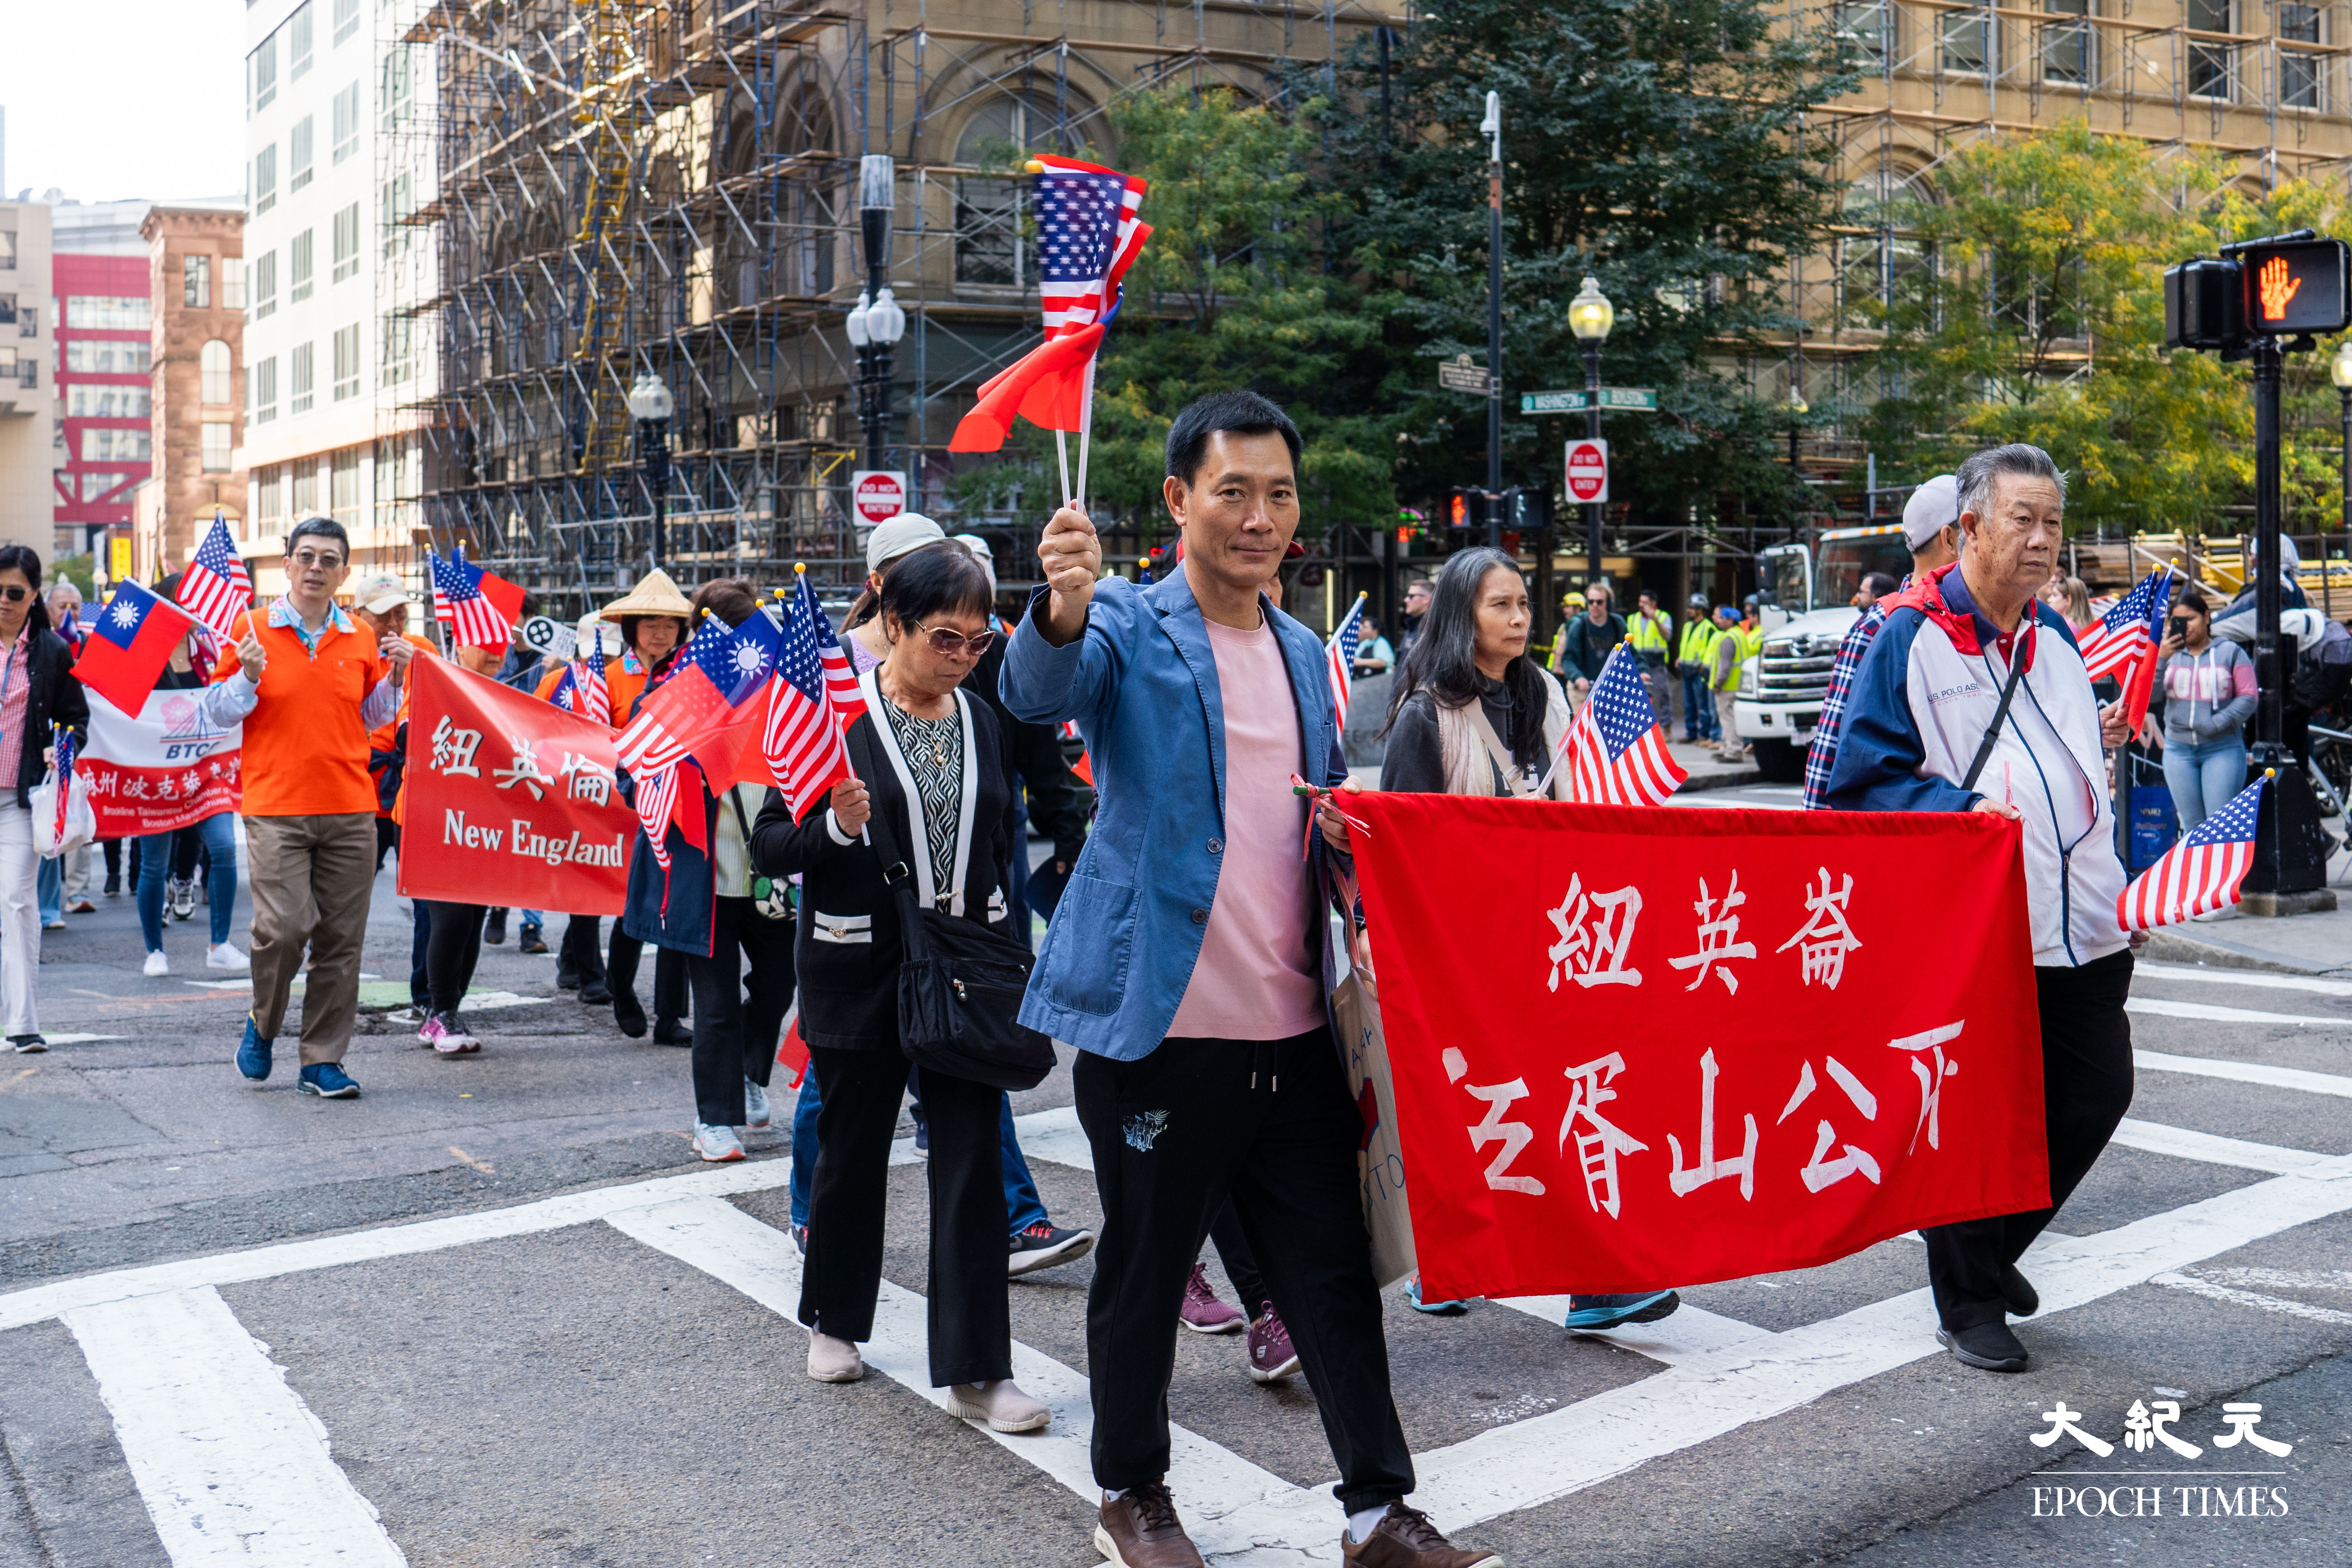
1808, 592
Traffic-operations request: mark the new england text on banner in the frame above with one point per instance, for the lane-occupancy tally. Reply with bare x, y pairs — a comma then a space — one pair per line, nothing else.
508, 800
163, 770
1659, 1047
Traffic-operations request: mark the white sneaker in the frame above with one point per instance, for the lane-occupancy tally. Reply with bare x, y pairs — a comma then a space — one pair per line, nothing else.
227, 956
999, 1404
157, 965
755, 1107
834, 1361
717, 1144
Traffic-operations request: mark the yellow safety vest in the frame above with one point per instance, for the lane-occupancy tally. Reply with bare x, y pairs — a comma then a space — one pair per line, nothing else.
1751, 642
1649, 635
1697, 646
1730, 677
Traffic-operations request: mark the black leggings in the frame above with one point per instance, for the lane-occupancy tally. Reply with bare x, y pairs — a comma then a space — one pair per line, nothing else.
669, 974
452, 948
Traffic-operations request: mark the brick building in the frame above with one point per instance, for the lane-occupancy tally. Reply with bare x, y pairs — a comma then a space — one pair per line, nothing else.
103, 439
196, 278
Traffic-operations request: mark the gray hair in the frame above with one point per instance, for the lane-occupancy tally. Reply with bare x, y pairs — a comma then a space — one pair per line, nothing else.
1975, 478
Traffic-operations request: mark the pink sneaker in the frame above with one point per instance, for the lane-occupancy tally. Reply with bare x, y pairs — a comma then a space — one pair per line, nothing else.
1202, 1313
453, 1040
430, 1033
1272, 1358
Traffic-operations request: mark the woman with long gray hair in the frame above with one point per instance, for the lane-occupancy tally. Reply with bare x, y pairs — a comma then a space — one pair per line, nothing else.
1474, 715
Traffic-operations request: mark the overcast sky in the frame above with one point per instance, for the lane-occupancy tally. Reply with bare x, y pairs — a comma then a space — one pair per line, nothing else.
110, 100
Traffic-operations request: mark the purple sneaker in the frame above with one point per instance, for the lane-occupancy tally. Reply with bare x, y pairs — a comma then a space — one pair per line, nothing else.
1272, 1359
1202, 1313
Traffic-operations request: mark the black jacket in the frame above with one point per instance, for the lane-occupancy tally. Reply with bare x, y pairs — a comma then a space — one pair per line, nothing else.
847, 949
1032, 755
55, 697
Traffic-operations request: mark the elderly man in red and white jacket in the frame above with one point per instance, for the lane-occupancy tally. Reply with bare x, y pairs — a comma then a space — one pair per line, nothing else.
1921, 733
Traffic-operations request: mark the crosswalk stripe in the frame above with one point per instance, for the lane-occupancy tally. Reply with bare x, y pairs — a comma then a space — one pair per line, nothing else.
232, 1464
2208, 1013
2258, 979
2279, 1304
2245, 1072
1691, 1333
2182, 1143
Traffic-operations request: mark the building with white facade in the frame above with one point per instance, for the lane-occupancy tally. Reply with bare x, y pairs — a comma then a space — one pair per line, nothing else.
28, 425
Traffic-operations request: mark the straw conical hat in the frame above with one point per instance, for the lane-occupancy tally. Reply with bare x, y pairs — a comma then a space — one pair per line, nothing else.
655, 594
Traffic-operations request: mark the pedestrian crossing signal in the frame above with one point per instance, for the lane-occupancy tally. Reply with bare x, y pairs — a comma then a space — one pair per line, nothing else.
1470, 509
2294, 288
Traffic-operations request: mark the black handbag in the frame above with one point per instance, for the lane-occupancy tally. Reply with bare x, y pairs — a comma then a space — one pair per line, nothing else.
960, 984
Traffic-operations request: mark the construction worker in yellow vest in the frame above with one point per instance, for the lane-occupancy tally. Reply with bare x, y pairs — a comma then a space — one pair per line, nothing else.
1694, 658
1730, 653
1651, 636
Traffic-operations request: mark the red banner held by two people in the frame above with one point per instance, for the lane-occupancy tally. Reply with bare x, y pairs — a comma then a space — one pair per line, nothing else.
510, 800
1656, 1047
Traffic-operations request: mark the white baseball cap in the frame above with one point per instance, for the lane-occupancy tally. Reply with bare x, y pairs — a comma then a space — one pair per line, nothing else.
595, 630
1933, 507
980, 552
894, 536
378, 592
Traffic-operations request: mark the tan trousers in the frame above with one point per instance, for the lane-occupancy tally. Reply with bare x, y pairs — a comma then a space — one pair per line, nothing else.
311, 878
1733, 746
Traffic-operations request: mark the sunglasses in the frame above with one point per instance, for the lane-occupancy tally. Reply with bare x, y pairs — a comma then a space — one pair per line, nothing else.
14, 592
944, 641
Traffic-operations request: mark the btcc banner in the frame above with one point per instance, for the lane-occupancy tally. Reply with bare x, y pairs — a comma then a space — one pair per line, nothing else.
163, 770
508, 800
1636, 1049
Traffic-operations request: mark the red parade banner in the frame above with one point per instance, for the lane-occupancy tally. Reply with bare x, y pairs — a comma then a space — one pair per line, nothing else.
163, 770
1636, 1049
510, 800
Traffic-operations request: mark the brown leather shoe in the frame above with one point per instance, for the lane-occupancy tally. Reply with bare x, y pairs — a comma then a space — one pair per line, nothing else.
1405, 1539
1140, 1530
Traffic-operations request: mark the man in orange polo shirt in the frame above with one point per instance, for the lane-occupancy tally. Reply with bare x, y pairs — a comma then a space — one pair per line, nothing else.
307, 684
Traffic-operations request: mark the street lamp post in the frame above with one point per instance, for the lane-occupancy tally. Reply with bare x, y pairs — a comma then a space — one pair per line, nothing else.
1797, 409
1589, 316
651, 405
877, 323
2340, 371
1492, 129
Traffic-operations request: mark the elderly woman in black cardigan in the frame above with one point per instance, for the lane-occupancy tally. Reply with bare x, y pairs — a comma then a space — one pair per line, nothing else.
940, 781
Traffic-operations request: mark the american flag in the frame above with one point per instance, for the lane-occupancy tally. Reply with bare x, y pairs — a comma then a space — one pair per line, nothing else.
814, 697
583, 689
1340, 656
65, 744
216, 588
657, 796
1086, 235
457, 598
717, 672
1616, 749
2199, 874
2130, 630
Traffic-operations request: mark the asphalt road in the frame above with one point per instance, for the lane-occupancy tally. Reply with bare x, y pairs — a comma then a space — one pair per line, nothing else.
532, 1328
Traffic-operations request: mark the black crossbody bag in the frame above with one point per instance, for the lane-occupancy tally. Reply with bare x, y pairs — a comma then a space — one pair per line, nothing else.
2000, 714
960, 984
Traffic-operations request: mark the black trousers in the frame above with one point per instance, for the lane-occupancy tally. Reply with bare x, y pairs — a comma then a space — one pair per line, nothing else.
735, 1034
971, 1324
2086, 1086
453, 946
582, 950
1270, 1123
1241, 1263
669, 974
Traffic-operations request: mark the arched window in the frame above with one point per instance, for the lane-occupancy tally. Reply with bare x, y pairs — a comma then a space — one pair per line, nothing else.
989, 247
213, 362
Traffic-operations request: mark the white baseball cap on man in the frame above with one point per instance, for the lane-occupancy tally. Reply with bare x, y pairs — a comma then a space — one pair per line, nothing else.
1933, 507
378, 592
894, 536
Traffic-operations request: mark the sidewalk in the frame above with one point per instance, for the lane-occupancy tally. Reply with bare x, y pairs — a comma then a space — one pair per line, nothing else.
2302, 944
1706, 772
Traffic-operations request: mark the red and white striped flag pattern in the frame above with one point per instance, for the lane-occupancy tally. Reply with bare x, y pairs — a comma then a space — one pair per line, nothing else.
2129, 629
1087, 234
1616, 749
1340, 656
2199, 874
657, 798
812, 699
216, 588
457, 598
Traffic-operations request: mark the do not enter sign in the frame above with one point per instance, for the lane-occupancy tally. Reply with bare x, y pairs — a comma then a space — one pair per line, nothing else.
879, 494
1588, 470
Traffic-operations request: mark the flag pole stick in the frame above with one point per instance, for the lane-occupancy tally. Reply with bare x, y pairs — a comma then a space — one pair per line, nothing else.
1085, 430
1062, 453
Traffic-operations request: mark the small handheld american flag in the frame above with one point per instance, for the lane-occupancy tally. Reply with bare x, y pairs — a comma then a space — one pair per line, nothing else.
657, 798
2199, 874
592, 695
1615, 749
814, 697
216, 588
2129, 630
457, 598
65, 744
1087, 236
1340, 656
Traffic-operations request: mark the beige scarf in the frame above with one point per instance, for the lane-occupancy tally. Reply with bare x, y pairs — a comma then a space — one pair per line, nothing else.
1473, 752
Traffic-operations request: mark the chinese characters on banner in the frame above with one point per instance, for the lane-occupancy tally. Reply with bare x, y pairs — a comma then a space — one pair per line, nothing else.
510, 800
161, 771
1637, 1048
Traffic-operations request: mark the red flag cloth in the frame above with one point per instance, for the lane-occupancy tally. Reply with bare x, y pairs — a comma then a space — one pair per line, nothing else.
509, 794
163, 769
1046, 386
792, 1052
131, 640
1636, 1049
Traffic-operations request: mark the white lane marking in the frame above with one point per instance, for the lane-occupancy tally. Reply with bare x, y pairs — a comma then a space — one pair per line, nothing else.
2252, 977
2182, 1143
81, 1039
722, 1241
31, 1306
2278, 1304
2245, 1072
1692, 1331
232, 1464
1055, 1135
2279, 1279
2208, 1013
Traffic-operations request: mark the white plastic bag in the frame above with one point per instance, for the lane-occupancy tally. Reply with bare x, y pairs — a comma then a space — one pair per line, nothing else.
1380, 1163
81, 821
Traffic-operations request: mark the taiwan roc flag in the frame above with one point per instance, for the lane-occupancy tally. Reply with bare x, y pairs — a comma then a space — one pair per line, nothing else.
130, 642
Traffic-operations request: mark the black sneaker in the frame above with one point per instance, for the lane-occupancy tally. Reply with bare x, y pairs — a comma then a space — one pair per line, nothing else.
114, 887
629, 1013
2018, 1291
532, 942
566, 977
668, 1032
1991, 1346
494, 930
1043, 1245
595, 995
1597, 1314
28, 1045
799, 1239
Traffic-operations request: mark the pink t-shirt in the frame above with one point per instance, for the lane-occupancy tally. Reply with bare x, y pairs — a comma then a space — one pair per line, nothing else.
1255, 979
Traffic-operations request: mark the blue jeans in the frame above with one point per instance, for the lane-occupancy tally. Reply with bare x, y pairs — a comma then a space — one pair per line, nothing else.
2202, 778
1023, 1206
219, 838
1698, 707
50, 890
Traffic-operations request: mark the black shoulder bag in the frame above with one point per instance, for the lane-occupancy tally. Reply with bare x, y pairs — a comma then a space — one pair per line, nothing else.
960, 984
2001, 714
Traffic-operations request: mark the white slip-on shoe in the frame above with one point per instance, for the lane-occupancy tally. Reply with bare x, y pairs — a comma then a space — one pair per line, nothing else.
999, 1404
834, 1361
227, 956
157, 965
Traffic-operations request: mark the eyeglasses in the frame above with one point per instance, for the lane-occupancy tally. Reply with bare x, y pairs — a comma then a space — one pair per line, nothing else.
944, 641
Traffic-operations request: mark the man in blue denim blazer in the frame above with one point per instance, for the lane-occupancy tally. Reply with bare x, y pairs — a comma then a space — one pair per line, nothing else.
1189, 963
